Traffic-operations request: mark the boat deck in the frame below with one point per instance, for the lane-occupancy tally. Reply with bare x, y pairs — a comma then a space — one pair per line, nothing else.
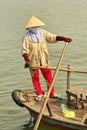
55, 106
52, 114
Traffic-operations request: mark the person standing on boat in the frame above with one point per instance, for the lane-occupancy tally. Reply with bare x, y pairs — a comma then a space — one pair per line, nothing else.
35, 53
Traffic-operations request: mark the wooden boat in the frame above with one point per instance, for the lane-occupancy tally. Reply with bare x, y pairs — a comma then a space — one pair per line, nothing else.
75, 100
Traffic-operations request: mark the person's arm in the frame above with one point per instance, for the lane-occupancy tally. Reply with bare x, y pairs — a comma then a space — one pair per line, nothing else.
62, 38
25, 52
52, 38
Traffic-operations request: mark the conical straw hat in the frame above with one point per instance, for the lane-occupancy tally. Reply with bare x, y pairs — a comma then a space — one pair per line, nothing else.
34, 22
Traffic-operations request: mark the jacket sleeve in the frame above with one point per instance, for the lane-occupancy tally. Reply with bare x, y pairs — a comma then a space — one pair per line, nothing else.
25, 46
50, 38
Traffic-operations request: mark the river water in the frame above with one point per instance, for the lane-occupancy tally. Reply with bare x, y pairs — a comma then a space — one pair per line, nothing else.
62, 17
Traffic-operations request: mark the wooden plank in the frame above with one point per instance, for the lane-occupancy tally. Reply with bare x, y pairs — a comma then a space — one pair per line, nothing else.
84, 118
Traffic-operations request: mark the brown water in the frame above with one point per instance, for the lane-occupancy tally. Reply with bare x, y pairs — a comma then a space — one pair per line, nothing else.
62, 17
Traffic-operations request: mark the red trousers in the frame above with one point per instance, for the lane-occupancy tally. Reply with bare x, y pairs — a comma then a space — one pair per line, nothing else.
47, 74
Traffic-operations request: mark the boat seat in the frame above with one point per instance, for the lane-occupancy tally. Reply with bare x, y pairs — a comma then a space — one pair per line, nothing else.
77, 97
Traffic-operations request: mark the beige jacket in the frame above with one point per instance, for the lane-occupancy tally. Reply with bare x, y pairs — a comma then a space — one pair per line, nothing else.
38, 52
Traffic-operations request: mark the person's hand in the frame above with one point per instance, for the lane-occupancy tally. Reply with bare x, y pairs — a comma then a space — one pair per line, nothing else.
62, 38
67, 39
28, 64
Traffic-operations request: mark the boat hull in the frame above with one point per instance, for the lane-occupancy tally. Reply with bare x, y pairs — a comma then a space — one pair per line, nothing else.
57, 119
50, 121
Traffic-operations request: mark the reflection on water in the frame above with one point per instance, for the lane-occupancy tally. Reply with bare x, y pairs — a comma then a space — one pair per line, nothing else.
68, 18
41, 127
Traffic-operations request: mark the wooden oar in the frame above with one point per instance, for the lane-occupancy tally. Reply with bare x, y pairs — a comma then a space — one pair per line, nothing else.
48, 93
61, 69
